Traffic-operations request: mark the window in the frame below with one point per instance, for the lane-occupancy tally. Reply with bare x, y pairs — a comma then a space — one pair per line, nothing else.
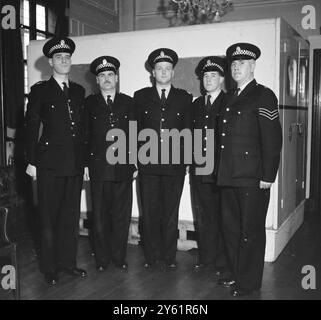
36, 24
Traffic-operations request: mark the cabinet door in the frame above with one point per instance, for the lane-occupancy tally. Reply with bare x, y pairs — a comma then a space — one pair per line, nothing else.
293, 116
302, 120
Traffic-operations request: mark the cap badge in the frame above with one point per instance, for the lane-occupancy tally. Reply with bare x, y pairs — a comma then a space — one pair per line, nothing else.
104, 61
208, 61
238, 50
62, 42
162, 54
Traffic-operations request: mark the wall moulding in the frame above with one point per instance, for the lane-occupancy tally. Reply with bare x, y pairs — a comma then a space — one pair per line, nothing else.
98, 5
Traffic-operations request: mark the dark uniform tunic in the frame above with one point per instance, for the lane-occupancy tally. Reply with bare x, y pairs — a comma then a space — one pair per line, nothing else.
250, 144
111, 184
204, 191
161, 185
59, 157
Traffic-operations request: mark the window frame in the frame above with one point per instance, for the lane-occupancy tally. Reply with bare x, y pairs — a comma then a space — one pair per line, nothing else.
33, 31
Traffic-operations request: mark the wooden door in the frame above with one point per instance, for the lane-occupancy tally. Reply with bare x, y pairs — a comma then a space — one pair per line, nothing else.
315, 186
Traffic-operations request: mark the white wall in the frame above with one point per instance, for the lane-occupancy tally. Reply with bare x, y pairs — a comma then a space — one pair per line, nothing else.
133, 48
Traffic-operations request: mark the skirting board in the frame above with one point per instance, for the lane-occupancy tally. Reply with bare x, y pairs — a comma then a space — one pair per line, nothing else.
276, 240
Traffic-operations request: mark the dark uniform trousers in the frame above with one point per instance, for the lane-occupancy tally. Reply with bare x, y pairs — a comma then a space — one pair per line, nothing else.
161, 185
59, 207
59, 157
112, 205
160, 198
111, 185
250, 145
206, 210
244, 212
205, 194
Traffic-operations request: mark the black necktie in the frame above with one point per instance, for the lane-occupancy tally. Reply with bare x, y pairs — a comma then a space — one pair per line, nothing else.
163, 97
112, 119
66, 89
236, 92
208, 104
109, 102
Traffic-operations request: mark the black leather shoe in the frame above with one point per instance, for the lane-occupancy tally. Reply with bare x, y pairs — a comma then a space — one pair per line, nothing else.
226, 282
75, 272
172, 266
101, 268
240, 292
199, 266
147, 265
122, 266
217, 272
51, 278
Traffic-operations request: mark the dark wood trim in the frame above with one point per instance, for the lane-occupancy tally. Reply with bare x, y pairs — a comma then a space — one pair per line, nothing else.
32, 20
315, 184
135, 14
2, 124
284, 107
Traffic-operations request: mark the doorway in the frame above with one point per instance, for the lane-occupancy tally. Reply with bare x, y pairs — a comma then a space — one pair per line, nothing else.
315, 191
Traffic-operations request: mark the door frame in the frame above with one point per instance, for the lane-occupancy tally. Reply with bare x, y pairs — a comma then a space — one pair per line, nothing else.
315, 183
2, 120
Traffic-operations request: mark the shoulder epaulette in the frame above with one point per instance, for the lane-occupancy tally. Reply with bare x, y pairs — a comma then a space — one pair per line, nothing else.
39, 82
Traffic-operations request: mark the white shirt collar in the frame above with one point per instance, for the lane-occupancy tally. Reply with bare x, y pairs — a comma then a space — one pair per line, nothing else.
60, 82
112, 96
159, 90
213, 96
244, 85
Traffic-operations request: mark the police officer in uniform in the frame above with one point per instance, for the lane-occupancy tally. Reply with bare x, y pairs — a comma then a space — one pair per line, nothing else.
162, 107
111, 184
56, 159
250, 145
204, 191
